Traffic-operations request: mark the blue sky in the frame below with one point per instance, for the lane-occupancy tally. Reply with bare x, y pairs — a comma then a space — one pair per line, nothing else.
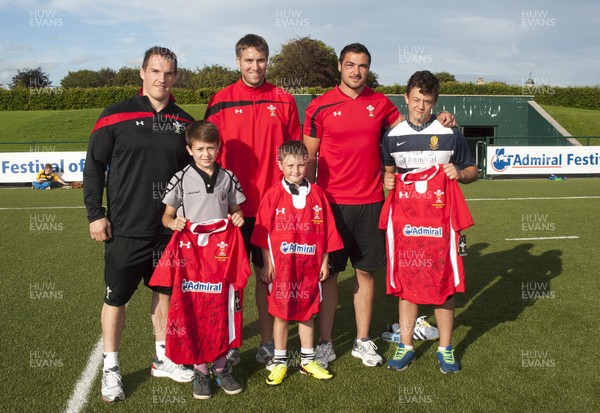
558, 42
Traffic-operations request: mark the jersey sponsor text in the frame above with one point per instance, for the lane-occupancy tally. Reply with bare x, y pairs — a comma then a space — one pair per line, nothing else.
411, 231
294, 248
201, 287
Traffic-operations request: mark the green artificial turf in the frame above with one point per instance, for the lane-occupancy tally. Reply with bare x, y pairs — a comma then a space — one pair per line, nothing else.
525, 330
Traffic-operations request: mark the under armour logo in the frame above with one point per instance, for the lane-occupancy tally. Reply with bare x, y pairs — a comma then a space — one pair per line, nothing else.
238, 111
141, 122
279, 211
338, 113
187, 245
402, 194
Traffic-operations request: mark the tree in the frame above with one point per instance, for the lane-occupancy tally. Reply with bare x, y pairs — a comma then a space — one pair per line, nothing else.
106, 76
127, 76
445, 77
81, 78
88, 78
304, 62
216, 76
186, 78
31, 78
372, 81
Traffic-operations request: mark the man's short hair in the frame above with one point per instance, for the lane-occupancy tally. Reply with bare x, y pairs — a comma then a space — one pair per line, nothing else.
202, 131
426, 81
164, 52
48, 165
252, 40
292, 147
355, 48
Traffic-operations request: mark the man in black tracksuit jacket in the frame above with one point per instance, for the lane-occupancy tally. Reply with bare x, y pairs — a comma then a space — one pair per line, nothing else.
141, 143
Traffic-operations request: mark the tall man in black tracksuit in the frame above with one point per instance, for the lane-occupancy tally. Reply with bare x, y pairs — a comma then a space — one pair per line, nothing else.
140, 141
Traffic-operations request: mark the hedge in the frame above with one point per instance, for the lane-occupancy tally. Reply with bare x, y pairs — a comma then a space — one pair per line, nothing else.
85, 98
587, 97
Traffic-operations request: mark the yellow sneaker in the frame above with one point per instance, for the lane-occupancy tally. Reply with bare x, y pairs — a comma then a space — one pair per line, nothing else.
277, 374
316, 370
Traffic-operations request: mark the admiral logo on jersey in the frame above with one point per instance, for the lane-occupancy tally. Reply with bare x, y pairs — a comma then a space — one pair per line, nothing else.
411, 231
294, 248
201, 287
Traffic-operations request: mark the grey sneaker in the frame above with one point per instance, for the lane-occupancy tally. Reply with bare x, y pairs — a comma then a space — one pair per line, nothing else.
324, 354
112, 387
201, 385
265, 355
365, 350
166, 368
226, 381
233, 356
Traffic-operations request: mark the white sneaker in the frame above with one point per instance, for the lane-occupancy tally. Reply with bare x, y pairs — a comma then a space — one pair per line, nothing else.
166, 368
112, 387
324, 354
365, 350
424, 330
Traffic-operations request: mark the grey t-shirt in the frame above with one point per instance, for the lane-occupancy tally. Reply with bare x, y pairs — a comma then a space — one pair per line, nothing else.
199, 197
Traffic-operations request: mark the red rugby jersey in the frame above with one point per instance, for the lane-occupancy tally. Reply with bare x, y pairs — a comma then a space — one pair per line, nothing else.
423, 218
350, 130
253, 122
207, 266
297, 230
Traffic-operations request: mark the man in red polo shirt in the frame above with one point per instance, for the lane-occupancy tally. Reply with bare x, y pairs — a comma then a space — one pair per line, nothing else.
344, 127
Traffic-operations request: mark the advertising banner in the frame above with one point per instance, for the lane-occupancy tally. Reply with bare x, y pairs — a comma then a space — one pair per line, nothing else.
18, 167
543, 160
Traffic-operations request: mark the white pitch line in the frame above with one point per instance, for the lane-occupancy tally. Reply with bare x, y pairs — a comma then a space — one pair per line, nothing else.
82, 388
44, 208
468, 199
534, 198
541, 238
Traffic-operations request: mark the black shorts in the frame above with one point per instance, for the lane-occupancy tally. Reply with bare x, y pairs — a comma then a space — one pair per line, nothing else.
364, 242
247, 228
127, 261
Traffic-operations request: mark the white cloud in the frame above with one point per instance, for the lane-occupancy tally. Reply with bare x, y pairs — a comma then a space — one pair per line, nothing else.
466, 37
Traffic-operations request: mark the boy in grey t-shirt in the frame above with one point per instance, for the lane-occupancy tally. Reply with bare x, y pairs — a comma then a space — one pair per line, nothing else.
202, 190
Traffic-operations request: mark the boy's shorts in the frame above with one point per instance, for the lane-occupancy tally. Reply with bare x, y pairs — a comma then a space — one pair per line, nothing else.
247, 228
364, 242
128, 260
